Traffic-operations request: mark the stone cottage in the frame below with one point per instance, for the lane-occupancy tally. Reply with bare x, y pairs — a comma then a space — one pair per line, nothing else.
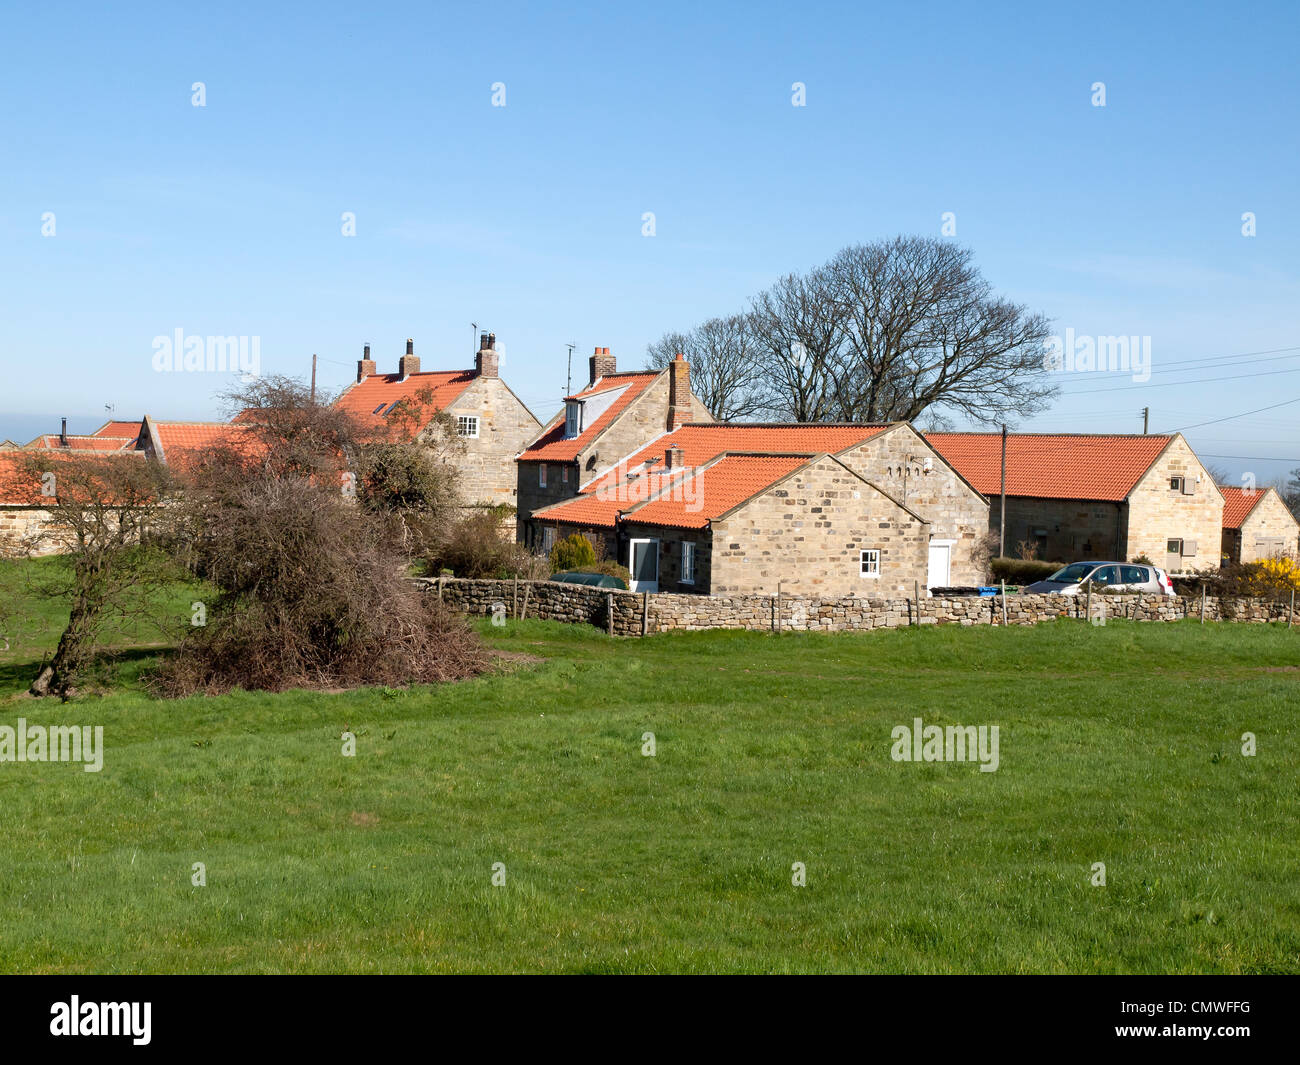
821, 509
492, 422
616, 414
1257, 525
1077, 496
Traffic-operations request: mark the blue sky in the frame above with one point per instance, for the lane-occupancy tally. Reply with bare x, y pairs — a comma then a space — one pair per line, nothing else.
527, 218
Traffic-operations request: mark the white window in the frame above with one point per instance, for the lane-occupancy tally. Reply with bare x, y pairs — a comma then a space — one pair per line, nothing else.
467, 425
541, 475
870, 563
1176, 484
688, 562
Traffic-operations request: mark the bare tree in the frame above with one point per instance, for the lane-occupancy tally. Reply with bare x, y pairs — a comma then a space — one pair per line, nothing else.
886, 332
103, 513
725, 373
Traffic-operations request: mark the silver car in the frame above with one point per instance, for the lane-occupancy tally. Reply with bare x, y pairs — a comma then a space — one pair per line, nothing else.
1122, 576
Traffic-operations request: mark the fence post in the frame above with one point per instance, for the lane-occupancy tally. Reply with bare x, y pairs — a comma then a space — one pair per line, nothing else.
609, 612
776, 609
916, 591
514, 600
1202, 602
645, 612
1004, 603
441, 578
1292, 614
1087, 610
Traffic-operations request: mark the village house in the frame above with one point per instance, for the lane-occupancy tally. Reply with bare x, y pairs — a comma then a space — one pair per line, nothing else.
491, 422
616, 414
718, 509
1257, 525
1075, 496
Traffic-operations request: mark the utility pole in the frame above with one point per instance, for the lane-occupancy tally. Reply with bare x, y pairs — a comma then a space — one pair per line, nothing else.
568, 380
313, 377
1146, 415
1002, 523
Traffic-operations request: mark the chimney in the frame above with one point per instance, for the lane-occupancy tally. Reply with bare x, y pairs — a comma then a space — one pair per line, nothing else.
63, 434
365, 364
679, 392
673, 458
487, 363
602, 364
410, 362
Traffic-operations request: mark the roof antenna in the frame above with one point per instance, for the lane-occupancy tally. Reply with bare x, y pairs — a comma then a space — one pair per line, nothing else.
568, 380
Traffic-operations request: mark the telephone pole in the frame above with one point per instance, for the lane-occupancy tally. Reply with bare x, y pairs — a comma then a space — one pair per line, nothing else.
313, 377
1146, 415
1002, 522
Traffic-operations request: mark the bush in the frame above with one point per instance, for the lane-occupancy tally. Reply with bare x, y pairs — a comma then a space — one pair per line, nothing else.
573, 553
474, 547
310, 595
1022, 570
610, 569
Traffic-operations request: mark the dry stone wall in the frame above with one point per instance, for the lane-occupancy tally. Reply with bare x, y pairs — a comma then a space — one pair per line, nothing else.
635, 613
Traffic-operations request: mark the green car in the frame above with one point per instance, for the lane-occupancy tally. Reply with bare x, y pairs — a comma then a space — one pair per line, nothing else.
591, 580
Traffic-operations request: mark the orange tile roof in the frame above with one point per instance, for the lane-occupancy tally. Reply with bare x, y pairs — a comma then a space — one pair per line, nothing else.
1052, 465
687, 498
716, 489
702, 442
180, 440
369, 400
1238, 503
52, 441
552, 446
118, 428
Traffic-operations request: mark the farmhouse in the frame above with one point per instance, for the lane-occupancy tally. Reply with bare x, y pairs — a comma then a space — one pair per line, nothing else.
1096, 496
616, 414
491, 421
1257, 525
822, 509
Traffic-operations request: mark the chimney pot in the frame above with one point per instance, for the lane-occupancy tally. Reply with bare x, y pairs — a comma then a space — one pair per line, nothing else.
410, 362
365, 365
672, 457
63, 434
602, 364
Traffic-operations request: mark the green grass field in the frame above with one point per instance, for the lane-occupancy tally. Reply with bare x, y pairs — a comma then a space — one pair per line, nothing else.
1119, 745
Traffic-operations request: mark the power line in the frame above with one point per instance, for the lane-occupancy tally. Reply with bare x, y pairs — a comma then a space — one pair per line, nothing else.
1234, 417
1179, 384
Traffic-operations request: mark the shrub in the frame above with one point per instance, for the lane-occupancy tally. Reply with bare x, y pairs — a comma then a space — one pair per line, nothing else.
607, 567
1022, 570
1141, 560
475, 547
574, 552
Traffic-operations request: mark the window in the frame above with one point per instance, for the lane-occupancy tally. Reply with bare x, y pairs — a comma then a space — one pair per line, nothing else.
870, 563
1105, 576
541, 475
380, 407
1134, 574
1174, 547
564, 474
1176, 484
467, 425
572, 419
688, 562
548, 539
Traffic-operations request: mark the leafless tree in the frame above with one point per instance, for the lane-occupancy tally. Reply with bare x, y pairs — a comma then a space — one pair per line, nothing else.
725, 373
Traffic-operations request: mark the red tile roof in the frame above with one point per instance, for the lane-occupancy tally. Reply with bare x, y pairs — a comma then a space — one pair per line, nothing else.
687, 498
52, 441
552, 446
369, 400
21, 488
180, 440
1052, 465
117, 428
1238, 503
702, 442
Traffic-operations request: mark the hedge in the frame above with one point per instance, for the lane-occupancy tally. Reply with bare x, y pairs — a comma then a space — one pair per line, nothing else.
1022, 570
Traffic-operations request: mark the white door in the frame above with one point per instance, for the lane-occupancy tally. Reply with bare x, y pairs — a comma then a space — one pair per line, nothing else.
644, 564
940, 571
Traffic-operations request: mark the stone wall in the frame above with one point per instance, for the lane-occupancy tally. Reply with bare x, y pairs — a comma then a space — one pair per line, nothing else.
666, 612
25, 531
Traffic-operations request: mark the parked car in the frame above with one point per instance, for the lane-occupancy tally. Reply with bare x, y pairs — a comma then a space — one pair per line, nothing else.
1123, 576
591, 580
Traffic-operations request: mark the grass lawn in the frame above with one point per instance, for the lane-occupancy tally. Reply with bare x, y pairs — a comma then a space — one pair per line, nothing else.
1119, 745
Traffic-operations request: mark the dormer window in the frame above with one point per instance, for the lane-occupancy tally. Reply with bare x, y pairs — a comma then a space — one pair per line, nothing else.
572, 418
